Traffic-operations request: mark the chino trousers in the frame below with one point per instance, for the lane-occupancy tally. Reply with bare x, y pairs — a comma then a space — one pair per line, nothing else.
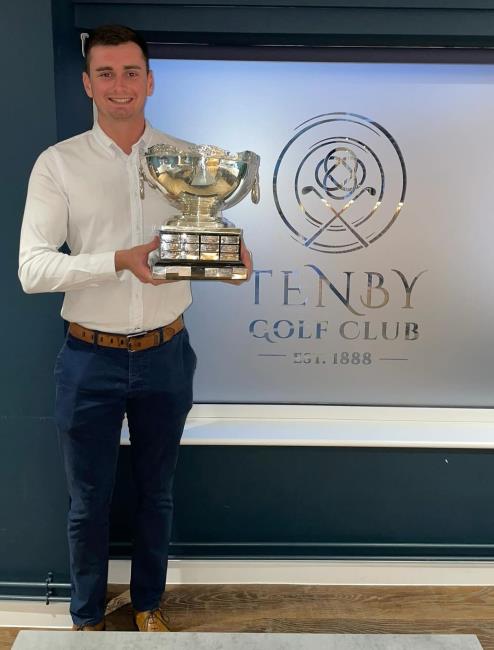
95, 387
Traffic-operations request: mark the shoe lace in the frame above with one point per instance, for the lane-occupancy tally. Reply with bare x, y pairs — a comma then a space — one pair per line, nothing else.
155, 618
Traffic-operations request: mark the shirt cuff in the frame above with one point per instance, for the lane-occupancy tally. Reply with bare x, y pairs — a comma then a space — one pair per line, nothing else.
103, 266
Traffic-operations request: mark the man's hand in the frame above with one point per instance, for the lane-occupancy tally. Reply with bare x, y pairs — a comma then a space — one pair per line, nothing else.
135, 260
246, 259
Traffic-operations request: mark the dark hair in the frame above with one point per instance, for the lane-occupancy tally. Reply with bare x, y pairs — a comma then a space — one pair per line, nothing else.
114, 35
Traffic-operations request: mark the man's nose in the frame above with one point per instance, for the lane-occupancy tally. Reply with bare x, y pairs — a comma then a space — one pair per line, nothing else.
120, 81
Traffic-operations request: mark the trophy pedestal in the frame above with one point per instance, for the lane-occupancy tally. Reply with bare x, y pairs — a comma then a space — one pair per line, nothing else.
167, 271
196, 253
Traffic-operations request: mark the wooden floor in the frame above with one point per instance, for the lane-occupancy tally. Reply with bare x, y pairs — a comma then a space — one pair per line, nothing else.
280, 608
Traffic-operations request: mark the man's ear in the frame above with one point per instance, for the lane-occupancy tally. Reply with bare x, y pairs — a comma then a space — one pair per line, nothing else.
150, 87
87, 84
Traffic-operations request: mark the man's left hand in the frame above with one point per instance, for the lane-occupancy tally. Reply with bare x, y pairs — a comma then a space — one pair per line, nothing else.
246, 259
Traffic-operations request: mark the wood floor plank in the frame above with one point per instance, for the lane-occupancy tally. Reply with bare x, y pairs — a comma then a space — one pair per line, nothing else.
7, 638
318, 609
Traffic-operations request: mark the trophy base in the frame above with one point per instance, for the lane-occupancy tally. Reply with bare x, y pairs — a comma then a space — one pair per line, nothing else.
206, 271
199, 253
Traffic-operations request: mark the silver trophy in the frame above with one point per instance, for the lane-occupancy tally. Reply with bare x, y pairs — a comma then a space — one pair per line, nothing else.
198, 243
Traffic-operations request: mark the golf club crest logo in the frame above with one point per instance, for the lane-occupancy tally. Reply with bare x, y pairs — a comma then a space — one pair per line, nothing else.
339, 183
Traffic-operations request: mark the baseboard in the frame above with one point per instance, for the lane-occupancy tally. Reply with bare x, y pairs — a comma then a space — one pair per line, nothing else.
320, 572
302, 572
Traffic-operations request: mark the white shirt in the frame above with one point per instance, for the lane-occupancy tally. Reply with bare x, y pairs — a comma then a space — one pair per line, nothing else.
85, 191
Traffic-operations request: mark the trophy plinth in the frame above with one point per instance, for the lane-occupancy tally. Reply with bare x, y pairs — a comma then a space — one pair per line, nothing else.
199, 243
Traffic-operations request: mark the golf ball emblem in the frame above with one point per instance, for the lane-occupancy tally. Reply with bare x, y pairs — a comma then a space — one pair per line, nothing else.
339, 183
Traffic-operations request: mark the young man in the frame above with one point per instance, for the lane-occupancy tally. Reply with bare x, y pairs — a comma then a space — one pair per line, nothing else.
127, 351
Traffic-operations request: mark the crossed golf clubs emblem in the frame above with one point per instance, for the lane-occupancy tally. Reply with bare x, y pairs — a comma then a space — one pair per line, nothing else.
341, 169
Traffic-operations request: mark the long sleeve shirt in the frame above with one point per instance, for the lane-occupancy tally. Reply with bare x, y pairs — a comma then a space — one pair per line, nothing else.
85, 191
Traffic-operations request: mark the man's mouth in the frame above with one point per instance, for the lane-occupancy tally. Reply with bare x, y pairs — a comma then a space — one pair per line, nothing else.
120, 100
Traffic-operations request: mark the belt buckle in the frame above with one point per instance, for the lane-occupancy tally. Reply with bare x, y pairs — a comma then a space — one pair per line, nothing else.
135, 336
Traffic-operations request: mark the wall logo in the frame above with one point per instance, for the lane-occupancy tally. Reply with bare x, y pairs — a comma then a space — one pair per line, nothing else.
339, 183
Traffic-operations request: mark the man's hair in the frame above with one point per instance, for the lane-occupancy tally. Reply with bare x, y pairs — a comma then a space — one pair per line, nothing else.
114, 35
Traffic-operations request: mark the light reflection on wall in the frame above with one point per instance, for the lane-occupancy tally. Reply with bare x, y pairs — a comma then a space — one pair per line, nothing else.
315, 327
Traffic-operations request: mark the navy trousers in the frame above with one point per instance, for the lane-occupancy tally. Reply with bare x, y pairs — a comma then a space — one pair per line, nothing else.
95, 387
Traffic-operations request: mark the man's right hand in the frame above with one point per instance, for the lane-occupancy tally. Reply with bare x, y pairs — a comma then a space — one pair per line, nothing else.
135, 260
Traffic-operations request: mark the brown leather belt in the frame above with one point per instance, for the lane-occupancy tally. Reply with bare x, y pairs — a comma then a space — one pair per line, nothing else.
132, 342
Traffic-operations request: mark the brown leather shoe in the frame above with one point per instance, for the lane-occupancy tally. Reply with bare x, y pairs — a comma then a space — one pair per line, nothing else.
151, 621
99, 627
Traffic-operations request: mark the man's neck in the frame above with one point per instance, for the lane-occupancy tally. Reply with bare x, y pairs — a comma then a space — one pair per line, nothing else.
124, 134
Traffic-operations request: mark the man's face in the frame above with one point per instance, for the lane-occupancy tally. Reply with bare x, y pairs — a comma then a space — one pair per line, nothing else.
118, 81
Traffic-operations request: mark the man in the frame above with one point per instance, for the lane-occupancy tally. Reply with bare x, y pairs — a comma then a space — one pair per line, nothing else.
127, 351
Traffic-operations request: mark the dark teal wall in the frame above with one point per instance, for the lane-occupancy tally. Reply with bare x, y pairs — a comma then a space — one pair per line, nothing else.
32, 494
296, 22
326, 502
237, 501
74, 111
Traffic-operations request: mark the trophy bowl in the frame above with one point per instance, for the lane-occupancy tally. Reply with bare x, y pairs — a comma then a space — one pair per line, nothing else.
201, 181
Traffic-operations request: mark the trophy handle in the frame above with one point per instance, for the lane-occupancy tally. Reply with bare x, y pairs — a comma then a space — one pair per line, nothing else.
255, 193
250, 183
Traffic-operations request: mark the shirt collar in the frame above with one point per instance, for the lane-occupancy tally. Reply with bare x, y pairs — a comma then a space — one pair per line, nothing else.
145, 140
101, 136
105, 140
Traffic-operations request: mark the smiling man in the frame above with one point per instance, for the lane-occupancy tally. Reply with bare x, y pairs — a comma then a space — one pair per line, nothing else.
118, 79
126, 351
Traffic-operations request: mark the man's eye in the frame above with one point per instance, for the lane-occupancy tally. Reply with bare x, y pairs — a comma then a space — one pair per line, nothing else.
132, 73
106, 75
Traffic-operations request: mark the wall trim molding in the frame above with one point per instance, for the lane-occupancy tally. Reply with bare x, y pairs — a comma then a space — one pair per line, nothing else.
450, 23
337, 426
300, 572
322, 572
